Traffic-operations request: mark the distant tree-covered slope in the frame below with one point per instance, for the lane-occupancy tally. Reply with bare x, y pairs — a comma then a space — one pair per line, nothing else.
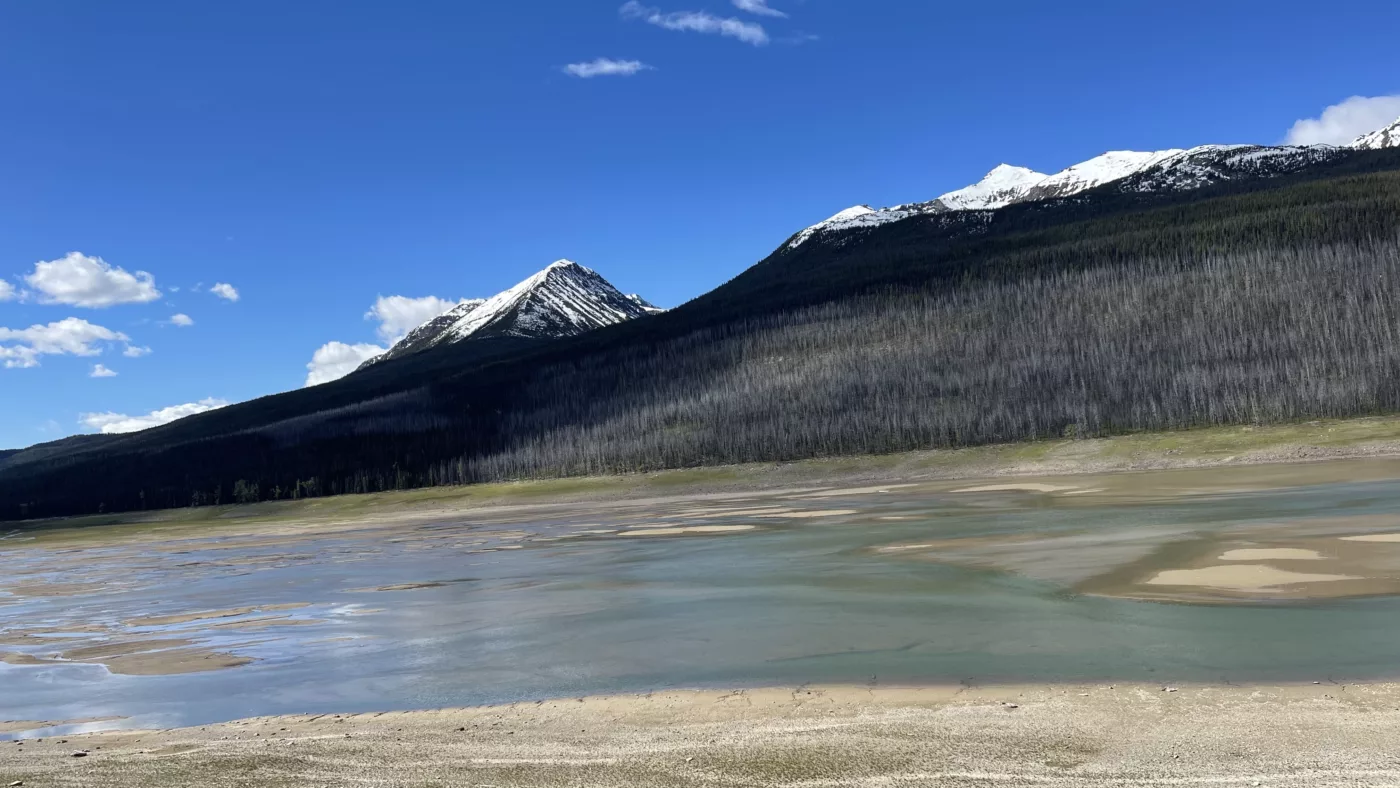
1104, 313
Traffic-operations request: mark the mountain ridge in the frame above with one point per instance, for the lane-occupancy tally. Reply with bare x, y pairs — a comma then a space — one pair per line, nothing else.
679, 390
1388, 137
1173, 169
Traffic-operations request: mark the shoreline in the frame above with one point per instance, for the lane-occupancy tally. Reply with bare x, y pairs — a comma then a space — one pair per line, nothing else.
1020, 734
1307, 445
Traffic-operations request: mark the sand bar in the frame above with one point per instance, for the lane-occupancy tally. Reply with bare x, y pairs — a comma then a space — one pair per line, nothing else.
1244, 577
764, 510
1271, 553
857, 491
1021, 487
18, 726
1372, 538
174, 662
812, 515
691, 529
205, 615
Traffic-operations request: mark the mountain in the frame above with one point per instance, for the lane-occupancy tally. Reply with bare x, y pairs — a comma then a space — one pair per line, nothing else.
1209, 164
1169, 170
562, 300
1388, 137
1004, 185
1220, 285
651, 309
1105, 168
431, 332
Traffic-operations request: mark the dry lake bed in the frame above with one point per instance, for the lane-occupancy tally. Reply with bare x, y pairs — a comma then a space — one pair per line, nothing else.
1251, 575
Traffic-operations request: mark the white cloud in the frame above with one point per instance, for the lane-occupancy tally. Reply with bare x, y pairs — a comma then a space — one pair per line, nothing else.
225, 291
759, 7
70, 336
697, 22
1342, 123
182, 320
335, 360
132, 351
398, 315
101, 371
79, 280
604, 67
7, 291
115, 423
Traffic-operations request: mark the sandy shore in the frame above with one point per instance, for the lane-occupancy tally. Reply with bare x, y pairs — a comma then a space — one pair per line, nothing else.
1311, 735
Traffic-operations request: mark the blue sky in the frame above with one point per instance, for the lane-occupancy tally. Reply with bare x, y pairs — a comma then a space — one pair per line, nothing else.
320, 154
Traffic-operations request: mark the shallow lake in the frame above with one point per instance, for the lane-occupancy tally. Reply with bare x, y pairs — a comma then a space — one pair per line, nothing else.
889, 585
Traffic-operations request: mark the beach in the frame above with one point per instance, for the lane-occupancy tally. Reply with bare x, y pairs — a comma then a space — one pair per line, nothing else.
1056, 735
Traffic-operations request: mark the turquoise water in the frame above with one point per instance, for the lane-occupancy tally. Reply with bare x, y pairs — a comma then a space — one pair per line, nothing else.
793, 602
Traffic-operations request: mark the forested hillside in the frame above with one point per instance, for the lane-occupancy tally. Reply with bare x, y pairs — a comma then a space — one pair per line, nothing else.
1259, 301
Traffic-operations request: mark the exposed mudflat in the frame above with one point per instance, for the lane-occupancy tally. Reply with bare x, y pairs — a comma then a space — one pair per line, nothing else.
1306, 736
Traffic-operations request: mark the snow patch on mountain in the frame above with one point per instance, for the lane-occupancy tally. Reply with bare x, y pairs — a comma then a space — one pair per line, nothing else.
841, 221
651, 309
1002, 186
1105, 168
1137, 171
562, 300
1209, 164
1388, 137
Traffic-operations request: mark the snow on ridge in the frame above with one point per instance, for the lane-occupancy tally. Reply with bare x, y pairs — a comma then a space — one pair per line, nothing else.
1388, 137
1165, 169
563, 299
1107, 167
1204, 165
564, 291
841, 220
1004, 185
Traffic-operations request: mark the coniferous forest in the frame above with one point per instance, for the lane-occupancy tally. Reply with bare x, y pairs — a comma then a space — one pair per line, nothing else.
1248, 303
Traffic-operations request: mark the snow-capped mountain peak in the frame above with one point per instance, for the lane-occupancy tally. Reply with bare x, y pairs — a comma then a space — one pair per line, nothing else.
1204, 165
651, 308
1132, 171
1104, 168
851, 217
1388, 137
562, 300
1004, 185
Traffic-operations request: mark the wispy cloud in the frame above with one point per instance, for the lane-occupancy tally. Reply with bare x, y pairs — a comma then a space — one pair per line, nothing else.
1342, 123
182, 320
101, 371
116, 423
759, 7
7, 291
134, 351
605, 67
697, 22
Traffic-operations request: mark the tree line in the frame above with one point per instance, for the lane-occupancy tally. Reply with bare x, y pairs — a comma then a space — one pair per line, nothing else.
1085, 318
